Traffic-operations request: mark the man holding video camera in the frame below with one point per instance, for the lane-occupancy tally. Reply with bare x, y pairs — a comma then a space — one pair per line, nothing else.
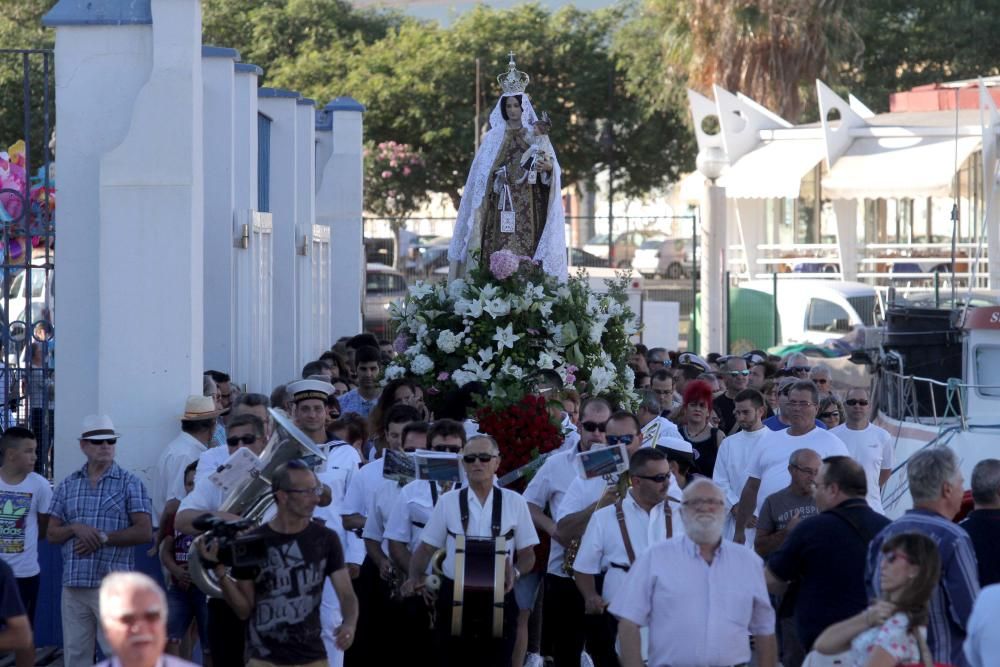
281, 597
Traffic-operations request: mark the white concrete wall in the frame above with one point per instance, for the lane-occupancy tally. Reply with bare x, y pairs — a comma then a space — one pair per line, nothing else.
309, 344
339, 205
219, 81
129, 108
283, 200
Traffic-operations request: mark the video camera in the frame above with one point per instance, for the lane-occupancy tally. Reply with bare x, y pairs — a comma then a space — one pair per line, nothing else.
235, 550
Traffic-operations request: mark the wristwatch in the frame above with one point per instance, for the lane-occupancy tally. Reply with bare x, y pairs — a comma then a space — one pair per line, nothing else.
103, 537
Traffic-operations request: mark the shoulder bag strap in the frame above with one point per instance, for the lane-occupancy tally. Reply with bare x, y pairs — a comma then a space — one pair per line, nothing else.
497, 511
620, 515
865, 534
434, 492
463, 508
668, 516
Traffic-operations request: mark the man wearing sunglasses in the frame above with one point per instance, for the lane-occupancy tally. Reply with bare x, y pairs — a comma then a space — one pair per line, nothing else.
563, 605
97, 514
281, 601
736, 378
476, 512
616, 535
406, 522
868, 444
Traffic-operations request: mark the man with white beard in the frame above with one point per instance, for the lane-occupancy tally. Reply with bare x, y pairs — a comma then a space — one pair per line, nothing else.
708, 573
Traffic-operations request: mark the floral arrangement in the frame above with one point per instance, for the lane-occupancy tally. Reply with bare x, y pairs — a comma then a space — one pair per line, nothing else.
506, 322
524, 430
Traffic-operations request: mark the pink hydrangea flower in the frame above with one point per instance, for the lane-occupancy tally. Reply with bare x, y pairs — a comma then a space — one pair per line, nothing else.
400, 344
443, 375
503, 264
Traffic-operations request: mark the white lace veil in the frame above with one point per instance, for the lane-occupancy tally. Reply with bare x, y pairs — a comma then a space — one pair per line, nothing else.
551, 249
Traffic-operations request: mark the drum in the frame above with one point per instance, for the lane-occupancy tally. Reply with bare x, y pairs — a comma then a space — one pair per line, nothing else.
480, 573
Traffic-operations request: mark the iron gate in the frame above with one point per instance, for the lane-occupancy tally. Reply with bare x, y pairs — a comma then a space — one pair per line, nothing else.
27, 243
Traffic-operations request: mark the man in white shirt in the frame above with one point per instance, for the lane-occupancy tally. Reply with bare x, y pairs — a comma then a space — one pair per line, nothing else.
28, 495
563, 605
616, 535
736, 452
244, 404
678, 587
982, 645
477, 512
868, 444
768, 469
197, 428
653, 426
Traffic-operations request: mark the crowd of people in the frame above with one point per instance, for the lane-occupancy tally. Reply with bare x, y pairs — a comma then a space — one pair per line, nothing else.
747, 529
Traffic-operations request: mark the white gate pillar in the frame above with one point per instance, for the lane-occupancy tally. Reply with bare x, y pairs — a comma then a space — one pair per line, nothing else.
280, 106
310, 344
339, 204
129, 112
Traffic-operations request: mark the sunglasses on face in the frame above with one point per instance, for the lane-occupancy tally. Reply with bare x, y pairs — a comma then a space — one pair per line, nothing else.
658, 479
110, 441
737, 373
238, 440
856, 401
829, 415
820, 381
798, 369
620, 439
451, 449
482, 458
590, 427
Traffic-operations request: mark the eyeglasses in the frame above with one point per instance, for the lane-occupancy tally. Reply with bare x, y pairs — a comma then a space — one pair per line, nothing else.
820, 381
703, 503
620, 439
316, 490
658, 479
149, 616
482, 458
109, 441
809, 471
237, 440
451, 449
798, 369
856, 401
891, 557
590, 427
799, 404
333, 414
829, 415
737, 373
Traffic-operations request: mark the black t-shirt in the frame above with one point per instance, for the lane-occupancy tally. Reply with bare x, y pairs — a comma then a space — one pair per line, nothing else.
983, 526
285, 628
724, 407
827, 556
10, 599
705, 451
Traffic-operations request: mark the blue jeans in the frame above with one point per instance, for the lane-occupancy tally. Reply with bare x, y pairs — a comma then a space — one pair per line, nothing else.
184, 606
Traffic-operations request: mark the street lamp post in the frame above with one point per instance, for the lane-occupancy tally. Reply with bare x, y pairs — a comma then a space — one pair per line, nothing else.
710, 162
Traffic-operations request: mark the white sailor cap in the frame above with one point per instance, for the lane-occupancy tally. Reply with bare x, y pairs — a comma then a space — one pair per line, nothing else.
693, 360
302, 390
676, 448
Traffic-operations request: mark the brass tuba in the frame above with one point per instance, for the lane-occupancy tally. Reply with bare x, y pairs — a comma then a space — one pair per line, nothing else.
252, 498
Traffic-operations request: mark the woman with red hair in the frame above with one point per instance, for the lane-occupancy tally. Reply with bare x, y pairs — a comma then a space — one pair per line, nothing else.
696, 427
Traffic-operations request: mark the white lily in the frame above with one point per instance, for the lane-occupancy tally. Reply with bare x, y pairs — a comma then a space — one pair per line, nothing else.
506, 337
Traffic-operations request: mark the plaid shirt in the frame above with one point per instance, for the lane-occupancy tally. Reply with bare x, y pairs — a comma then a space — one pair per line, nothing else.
105, 506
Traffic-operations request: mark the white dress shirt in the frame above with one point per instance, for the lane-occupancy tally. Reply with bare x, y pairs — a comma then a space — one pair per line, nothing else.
603, 550
548, 487
362, 487
169, 479
872, 448
410, 513
732, 469
583, 493
446, 521
982, 645
344, 462
379, 508
210, 461
770, 464
698, 614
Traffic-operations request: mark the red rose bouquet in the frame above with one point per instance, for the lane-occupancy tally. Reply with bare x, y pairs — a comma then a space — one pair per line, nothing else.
524, 431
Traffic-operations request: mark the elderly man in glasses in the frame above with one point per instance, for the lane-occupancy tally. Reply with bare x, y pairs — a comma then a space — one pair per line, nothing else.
868, 444
616, 535
479, 511
708, 574
134, 619
736, 377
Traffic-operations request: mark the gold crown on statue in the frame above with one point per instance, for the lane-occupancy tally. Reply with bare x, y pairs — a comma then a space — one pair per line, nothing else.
513, 81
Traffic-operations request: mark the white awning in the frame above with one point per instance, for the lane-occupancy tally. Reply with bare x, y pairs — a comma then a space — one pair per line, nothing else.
898, 167
773, 169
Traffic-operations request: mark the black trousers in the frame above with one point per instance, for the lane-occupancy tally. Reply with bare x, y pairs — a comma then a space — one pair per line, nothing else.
417, 637
227, 635
602, 631
27, 588
476, 647
569, 629
379, 616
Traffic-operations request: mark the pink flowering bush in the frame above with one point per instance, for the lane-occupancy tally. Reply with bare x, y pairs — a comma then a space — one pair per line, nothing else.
395, 180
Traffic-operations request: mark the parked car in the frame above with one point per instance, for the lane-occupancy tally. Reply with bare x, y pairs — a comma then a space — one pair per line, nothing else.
579, 257
665, 258
625, 246
383, 286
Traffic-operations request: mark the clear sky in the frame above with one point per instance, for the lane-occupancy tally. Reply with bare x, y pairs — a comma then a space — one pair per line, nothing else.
445, 11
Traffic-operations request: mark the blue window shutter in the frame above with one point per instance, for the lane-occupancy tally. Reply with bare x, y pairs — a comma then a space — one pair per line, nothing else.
263, 163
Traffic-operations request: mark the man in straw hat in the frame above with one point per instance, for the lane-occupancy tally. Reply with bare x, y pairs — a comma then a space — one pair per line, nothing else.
197, 428
98, 513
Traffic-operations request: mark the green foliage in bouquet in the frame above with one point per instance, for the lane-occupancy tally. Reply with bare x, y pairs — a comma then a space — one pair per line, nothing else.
507, 321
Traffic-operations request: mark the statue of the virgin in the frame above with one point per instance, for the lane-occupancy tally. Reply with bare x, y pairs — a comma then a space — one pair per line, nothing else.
512, 198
